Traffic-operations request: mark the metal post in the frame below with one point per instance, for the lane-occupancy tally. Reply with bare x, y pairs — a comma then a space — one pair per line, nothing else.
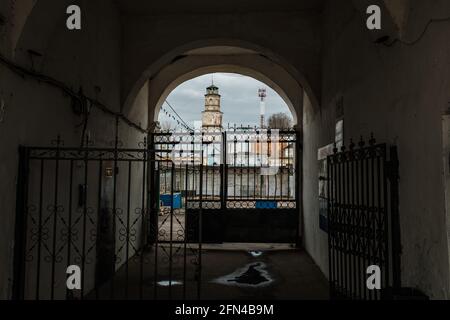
298, 187
200, 227
395, 218
153, 191
224, 173
21, 225
330, 202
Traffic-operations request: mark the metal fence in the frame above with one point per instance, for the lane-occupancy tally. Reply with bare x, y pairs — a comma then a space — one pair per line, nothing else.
363, 219
133, 220
252, 169
96, 209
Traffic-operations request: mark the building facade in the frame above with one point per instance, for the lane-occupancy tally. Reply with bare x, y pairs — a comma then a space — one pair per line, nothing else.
212, 115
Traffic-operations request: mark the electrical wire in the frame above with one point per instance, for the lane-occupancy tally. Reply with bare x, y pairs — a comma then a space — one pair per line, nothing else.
420, 37
170, 115
22, 71
179, 121
182, 120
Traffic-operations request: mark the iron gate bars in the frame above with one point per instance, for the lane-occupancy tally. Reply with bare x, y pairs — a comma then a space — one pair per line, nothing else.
260, 169
120, 214
362, 219
241, 168
239, 184
95, 208
198, 162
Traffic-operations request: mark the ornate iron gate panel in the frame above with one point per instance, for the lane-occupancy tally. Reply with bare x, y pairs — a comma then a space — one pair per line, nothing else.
362, 219
98, 209
261, 169
241, 185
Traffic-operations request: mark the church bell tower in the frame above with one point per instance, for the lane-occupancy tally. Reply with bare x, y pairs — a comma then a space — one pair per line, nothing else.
212, 116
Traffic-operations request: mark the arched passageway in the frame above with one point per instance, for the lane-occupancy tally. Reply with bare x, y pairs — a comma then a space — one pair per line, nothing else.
293, 100
219, 57
228, 55
106, 82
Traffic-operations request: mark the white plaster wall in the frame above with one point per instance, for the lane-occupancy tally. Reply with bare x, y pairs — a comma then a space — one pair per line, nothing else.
15, 14
399, 94
317, 130
35, 112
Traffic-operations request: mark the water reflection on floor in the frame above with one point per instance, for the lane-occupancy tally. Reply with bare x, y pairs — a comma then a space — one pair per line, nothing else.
169, 283
252, 275
256, 254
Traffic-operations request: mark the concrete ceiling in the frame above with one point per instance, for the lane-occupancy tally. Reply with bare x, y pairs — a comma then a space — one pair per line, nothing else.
164, 7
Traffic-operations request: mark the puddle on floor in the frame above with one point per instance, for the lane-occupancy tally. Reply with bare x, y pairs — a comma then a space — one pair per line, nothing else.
168, 283
256, 254
252, 275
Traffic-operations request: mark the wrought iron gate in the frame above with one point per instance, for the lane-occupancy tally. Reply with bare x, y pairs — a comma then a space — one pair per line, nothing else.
244, 181
98, 209
134, 220
363, 219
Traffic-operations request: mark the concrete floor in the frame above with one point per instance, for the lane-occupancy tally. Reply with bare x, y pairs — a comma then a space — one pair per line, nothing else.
292, 273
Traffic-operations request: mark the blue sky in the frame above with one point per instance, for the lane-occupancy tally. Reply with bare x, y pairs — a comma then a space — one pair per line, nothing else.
240, 102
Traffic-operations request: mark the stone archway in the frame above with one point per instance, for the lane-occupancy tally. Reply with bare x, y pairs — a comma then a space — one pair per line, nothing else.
249, 64
221, 55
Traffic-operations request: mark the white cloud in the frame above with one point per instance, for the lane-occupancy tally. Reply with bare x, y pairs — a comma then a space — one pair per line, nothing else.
190, 93
240, 102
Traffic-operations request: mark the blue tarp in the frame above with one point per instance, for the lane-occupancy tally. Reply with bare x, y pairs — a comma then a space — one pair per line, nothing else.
166, 200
